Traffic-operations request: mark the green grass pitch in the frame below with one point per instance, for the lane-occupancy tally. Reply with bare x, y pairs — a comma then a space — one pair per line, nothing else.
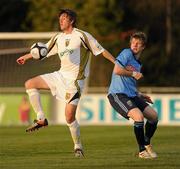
106, 147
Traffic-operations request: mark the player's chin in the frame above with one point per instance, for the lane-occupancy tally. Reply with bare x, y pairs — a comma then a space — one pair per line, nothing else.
135, 51
61, 28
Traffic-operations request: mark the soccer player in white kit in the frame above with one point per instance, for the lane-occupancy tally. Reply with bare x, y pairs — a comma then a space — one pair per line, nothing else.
73, 47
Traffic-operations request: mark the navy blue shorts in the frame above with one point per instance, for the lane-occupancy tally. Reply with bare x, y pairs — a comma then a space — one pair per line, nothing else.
123, 104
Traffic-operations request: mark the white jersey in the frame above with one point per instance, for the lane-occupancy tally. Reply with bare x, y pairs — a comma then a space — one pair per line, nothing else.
74, 52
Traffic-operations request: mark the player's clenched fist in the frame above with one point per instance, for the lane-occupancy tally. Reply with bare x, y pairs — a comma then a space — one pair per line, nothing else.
137, 75
20, 60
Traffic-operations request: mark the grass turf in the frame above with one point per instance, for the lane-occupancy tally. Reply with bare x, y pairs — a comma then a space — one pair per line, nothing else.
106, 147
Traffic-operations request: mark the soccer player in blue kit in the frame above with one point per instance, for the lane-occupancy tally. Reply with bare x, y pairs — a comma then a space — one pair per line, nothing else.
127, 101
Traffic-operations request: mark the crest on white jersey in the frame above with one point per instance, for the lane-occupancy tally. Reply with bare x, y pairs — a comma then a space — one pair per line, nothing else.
67, 42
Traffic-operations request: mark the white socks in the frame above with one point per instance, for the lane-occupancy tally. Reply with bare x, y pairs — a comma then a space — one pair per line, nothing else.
75, 133
35, 101
74, 127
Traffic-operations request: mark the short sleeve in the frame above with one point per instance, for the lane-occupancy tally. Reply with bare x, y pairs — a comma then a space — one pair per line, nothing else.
52, 46
123, 57
93, 44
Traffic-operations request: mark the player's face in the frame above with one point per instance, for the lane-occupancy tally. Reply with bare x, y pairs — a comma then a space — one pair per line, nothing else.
136, 45
64, 22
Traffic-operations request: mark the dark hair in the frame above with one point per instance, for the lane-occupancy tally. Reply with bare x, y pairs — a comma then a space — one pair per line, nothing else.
72, 15
141, 36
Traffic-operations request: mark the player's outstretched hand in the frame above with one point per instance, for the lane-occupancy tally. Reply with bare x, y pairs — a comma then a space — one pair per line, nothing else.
20, 60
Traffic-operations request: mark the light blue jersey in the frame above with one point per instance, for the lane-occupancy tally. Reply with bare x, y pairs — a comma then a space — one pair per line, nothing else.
124, 84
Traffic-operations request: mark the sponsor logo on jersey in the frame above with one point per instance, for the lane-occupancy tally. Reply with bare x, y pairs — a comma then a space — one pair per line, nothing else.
67, 51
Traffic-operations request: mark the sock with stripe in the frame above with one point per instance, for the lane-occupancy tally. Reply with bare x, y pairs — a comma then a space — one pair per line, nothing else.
139, 133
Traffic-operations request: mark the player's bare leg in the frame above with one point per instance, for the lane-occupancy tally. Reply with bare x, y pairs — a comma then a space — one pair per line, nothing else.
70, 112
32, 86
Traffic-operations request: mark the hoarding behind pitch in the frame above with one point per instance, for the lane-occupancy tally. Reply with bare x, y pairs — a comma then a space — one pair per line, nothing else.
94, 109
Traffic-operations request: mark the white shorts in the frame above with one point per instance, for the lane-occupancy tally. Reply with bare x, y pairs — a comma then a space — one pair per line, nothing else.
64, 89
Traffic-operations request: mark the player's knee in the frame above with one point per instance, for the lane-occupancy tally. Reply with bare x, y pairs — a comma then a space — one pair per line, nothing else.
70, 118
154, 117
29, 84
139, 118
136, 115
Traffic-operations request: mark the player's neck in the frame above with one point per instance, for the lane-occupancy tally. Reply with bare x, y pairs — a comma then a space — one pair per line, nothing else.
138, 55
68, 30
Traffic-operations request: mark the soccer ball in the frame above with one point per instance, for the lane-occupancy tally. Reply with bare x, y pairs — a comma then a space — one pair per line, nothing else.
39, 50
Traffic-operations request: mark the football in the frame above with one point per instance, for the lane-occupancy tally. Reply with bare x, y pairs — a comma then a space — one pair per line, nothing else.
39, 50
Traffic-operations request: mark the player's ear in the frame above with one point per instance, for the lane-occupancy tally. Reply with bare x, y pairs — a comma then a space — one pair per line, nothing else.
72, 22
144, 46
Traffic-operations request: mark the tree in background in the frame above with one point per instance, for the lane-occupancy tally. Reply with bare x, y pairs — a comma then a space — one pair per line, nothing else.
112, 22
12, 15
151, 17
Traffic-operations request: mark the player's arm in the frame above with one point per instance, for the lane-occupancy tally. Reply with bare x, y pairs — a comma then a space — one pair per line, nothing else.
124, 72
21, 60
108, 56
145, 97
96, 49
